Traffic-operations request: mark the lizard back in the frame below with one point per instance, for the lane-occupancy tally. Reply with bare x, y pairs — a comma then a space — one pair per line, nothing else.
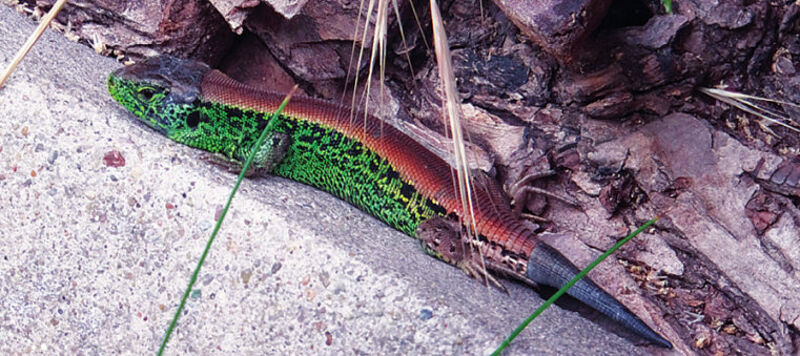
374, 166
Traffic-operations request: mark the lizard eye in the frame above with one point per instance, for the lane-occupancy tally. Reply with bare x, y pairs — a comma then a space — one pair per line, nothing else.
146, 93
193, 120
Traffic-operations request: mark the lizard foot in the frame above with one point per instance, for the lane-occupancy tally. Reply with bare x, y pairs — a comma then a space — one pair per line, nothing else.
230, 165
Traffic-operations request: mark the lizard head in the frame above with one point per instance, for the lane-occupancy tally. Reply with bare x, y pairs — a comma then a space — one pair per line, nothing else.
161, 91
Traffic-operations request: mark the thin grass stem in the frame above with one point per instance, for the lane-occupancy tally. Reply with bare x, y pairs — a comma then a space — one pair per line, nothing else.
567, 286
270, 126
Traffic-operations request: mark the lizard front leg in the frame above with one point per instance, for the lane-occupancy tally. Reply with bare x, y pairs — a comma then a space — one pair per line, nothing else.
267, 156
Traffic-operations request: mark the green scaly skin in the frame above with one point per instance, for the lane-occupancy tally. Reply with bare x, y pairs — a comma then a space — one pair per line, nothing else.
324, 158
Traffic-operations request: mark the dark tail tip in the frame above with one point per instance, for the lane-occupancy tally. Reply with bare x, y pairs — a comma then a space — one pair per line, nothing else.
547, 266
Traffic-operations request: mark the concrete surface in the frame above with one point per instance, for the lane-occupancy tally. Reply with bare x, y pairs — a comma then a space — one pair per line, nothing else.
94, 258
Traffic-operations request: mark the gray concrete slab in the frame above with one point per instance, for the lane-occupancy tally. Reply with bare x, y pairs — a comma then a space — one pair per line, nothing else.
94, 258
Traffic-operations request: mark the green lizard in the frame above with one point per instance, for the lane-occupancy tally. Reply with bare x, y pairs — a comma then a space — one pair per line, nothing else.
370, 164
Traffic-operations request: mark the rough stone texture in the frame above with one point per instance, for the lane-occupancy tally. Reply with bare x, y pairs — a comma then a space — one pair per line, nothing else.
235, 12
287, 8
753, 271
95, 253
315, 45
187, 28
557, 26
250, 62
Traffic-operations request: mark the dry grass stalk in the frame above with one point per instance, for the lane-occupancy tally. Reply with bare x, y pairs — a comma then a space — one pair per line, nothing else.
452, 117
31, 40
748, 103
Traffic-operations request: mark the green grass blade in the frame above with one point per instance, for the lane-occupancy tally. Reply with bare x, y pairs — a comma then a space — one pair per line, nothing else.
567, 286
667, 6
196, 272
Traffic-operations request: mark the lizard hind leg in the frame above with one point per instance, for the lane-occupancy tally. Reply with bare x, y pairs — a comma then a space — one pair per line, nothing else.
444, 239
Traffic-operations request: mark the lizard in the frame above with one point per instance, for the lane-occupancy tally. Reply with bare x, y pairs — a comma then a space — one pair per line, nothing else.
368, 163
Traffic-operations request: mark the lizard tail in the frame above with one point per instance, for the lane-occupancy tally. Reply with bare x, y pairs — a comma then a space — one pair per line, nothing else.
547, 266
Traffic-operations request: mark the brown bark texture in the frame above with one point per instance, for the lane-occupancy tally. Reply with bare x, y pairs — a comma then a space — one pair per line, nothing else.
604, 93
